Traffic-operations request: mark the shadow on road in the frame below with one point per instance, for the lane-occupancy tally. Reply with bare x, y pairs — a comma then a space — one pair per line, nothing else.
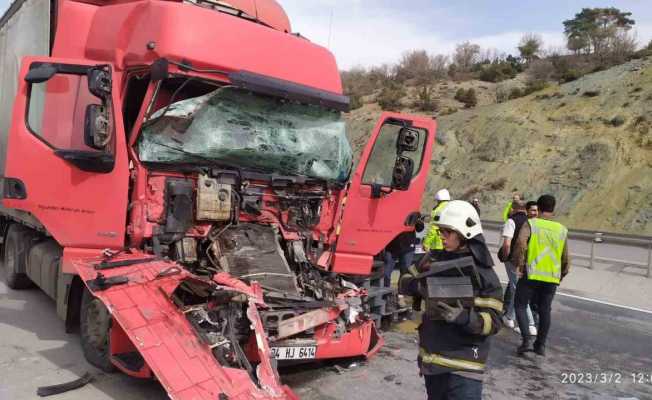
38, 352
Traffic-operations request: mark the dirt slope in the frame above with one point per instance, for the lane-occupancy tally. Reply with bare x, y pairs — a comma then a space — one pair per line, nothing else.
589, 142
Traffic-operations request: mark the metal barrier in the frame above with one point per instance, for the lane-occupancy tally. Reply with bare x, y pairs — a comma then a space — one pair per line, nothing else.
596, 239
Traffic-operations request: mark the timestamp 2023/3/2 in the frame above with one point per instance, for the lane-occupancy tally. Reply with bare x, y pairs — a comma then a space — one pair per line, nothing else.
605, 377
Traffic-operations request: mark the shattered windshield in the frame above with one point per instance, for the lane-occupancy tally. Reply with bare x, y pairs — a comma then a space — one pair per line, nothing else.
238, 128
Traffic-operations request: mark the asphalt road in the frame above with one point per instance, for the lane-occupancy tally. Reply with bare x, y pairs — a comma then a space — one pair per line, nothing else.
585, 338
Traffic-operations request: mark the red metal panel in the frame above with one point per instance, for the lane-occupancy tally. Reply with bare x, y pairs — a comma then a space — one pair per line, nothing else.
161, 333
120, 34
368, 224
356, 342
79, 209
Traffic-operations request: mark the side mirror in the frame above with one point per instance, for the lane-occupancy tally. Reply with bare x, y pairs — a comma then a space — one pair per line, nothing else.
402, 174
41, 73
96, 127
99, 82
408, 140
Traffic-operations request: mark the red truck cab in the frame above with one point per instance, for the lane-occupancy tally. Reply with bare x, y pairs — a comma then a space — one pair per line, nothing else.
178, 178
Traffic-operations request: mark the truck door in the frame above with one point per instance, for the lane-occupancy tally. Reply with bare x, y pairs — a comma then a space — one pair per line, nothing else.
66, 159
384, 196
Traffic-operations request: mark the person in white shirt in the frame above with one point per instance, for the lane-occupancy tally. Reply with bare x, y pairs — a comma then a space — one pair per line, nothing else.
509, 234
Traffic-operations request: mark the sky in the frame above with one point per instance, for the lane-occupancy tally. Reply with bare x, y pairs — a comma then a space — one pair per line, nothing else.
372, 32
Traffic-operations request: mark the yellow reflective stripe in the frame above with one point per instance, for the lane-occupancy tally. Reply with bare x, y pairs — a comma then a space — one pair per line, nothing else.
413, 270
488, 302
432, 358
486, 323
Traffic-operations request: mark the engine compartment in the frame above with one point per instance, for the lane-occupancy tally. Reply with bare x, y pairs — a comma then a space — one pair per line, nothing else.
274, 231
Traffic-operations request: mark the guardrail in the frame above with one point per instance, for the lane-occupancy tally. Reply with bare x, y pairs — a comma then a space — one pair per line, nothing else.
596, 238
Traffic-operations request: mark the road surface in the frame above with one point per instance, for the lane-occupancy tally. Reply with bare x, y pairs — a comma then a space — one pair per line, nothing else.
585, 338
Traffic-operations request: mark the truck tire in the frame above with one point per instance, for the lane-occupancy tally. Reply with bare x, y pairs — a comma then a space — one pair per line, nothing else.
95, 329
16, 248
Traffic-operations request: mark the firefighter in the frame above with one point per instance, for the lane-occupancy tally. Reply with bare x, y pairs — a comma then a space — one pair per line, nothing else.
433, 240
454, 338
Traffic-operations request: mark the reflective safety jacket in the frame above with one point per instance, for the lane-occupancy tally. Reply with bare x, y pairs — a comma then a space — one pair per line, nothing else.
433, 239
544, 250
506, 211
446, 347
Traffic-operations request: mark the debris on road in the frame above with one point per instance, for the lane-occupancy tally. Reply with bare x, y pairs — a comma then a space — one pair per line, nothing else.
45, 391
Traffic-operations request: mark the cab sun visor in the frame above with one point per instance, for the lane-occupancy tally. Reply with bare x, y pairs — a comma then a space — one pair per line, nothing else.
289, 90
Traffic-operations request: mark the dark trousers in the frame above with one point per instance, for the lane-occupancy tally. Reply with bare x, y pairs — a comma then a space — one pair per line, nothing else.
452, 387
404, 262
541, 295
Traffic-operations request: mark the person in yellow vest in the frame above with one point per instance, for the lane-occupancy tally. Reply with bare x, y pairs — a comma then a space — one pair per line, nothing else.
540, 257
433, 240
507, 211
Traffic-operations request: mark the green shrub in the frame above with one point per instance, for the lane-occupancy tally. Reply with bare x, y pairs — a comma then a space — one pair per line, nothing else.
467, 97
497, 71
390, 97
426, 100
534, 86
570, 75
355, 101
515, 93
591, 93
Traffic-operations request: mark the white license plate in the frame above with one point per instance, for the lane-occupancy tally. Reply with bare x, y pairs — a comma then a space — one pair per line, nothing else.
294, 353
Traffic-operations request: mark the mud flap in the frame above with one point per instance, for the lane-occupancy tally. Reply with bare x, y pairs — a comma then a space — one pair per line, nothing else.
163, 336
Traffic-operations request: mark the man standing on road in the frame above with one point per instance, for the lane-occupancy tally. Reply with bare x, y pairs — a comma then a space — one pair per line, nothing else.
510, 232
540, 256
532, 209
507, 211
400, 249
476, 204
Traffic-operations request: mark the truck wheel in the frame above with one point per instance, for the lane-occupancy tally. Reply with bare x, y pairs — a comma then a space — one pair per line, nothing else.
15, 256
95, 329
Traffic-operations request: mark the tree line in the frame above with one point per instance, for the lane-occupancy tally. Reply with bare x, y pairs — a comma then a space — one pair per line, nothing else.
596, 38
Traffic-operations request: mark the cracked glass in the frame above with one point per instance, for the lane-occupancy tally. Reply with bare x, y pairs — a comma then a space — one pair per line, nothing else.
234, 127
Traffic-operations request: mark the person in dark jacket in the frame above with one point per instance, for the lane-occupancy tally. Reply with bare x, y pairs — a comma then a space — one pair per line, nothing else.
510, 232
454, 336
401, 249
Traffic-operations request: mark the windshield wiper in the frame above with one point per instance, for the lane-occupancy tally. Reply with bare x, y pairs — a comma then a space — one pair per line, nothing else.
210, 161
186, 153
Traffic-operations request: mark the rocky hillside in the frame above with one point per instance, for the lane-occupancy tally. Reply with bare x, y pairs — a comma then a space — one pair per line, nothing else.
589, 142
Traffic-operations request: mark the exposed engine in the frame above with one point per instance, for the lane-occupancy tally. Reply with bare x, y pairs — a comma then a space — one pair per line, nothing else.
219, 317
256, 230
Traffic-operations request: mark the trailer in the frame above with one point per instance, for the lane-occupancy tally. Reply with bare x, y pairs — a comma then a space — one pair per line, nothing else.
176, 176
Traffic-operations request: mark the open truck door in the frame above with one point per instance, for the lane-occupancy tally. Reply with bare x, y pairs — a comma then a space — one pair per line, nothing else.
385, 193
66, 161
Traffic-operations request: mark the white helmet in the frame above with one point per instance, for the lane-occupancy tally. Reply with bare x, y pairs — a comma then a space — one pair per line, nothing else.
461, 217
443, 195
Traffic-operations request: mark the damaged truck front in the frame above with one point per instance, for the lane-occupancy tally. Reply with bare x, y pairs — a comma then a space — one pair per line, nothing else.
194, 207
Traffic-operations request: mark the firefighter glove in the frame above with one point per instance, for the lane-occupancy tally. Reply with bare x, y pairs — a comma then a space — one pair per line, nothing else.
453, 314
